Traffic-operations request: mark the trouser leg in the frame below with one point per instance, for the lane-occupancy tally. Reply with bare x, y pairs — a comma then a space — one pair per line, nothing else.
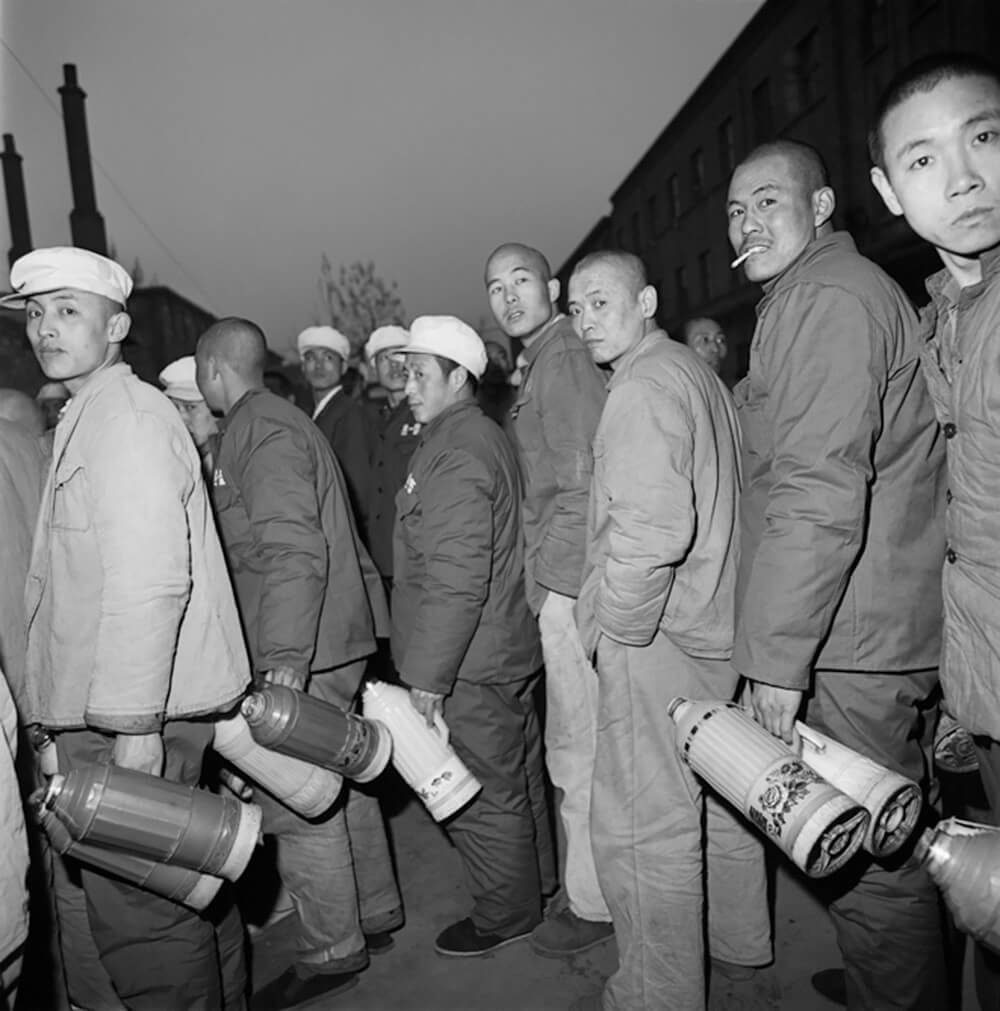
987, 962
646, 820
570, 742
317, 867
379, 901
230, 941
739, 917
10, 976
887, 914
534, 768
160, 955
495, 833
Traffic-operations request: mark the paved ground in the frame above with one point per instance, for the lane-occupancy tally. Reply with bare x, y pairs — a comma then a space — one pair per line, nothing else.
412, 976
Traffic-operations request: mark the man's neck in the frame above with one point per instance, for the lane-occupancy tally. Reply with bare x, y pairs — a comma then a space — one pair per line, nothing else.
237, 391
319, 395
966, 270
395, 397
526, 342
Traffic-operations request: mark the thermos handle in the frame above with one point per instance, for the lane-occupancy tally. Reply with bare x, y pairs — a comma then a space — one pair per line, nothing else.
817, 744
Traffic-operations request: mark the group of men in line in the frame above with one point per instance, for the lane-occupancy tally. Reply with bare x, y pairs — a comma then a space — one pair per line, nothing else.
645, 535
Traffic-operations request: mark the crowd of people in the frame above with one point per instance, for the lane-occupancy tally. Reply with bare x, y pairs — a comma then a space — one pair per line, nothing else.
590, 517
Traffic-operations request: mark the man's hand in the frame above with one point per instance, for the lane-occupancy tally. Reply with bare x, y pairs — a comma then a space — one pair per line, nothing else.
558, 609
427, 704
285, 676
142, 752
775, 710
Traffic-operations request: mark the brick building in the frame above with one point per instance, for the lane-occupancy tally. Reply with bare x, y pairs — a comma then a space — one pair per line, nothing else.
804, 69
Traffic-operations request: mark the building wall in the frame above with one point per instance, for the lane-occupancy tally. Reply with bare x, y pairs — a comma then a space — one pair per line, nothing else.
804, 69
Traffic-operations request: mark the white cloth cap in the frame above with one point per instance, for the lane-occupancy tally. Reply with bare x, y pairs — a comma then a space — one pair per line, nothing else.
448, 337
57, 267
324, 337
385, 338
178, 380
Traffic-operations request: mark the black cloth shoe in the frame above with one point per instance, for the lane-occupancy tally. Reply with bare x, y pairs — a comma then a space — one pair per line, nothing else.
379, 942
831, 984
463, 940
290, 989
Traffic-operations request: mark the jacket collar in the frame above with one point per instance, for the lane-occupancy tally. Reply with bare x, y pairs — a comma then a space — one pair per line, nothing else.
530, 353
944, 290
623, 365
451, 417
817, 250
226, 420
77, 404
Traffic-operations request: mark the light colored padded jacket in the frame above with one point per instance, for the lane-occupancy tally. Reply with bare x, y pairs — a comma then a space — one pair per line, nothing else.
662, 533
961, 360
131, 616
14, 851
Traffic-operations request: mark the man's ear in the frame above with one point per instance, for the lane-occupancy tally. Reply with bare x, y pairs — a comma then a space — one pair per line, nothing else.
824, 202
648, 301
458, 377
118, 327
554, 289
881, 182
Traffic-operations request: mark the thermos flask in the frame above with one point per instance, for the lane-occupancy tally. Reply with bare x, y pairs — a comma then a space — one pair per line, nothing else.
815, 824
421, 754
307, 789
893, 801
121, 809
294, 723
178, 884
963, 858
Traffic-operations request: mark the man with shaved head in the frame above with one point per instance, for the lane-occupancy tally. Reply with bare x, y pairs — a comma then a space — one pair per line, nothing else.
656, 606
555, 416
311, 602
838, 598
133, 640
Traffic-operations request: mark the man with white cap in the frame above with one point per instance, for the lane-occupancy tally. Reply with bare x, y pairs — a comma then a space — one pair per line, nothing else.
463, 637
133, 637
323, 355
178, 382
396, 435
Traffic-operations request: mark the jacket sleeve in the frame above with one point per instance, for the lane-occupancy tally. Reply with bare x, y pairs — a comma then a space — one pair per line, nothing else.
277, 482
571, 405
824, 381
457, 543
648, 447
138, 482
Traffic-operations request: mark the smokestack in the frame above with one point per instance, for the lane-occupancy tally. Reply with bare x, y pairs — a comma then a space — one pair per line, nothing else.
85, 223
17, 202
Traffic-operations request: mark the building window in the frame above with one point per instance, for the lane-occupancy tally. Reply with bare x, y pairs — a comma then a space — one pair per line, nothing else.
681, 290
673, 201
698, 172
760, 109
801, 73
727, 148
705, 274
636, 233
875, 26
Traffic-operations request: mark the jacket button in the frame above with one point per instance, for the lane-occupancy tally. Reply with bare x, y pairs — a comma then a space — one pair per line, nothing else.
948, 496
950, 430
950, 556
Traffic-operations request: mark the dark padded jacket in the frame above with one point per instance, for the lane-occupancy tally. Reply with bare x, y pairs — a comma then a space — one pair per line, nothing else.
348, 430
458, 603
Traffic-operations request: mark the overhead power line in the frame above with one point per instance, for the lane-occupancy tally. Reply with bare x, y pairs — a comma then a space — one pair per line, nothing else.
119, 192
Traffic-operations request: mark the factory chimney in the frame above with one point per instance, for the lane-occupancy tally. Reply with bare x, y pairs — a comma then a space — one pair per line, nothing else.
17, 202
85, 222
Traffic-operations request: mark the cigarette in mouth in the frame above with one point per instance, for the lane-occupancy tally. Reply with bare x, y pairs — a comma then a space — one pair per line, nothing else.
739, 259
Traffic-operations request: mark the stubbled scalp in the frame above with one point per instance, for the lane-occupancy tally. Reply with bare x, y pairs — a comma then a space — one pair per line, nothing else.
238, 343
920, 77
531, 256
805, 162
630, 269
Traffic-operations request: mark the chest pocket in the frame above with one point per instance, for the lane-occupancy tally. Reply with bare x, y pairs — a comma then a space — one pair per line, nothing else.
70, 508
750, 410
407, 505
234, 521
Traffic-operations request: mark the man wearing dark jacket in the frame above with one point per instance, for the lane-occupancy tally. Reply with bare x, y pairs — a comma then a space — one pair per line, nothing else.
323, 353
842, 506
555, 416
463, 637
311, 603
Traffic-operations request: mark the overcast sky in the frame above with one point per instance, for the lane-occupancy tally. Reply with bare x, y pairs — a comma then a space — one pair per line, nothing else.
253, 135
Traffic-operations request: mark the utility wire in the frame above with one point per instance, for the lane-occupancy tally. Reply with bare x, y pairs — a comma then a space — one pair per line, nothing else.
108, 177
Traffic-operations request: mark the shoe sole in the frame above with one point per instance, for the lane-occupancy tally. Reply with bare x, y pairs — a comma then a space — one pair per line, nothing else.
444, 952
539, 949
382, 949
